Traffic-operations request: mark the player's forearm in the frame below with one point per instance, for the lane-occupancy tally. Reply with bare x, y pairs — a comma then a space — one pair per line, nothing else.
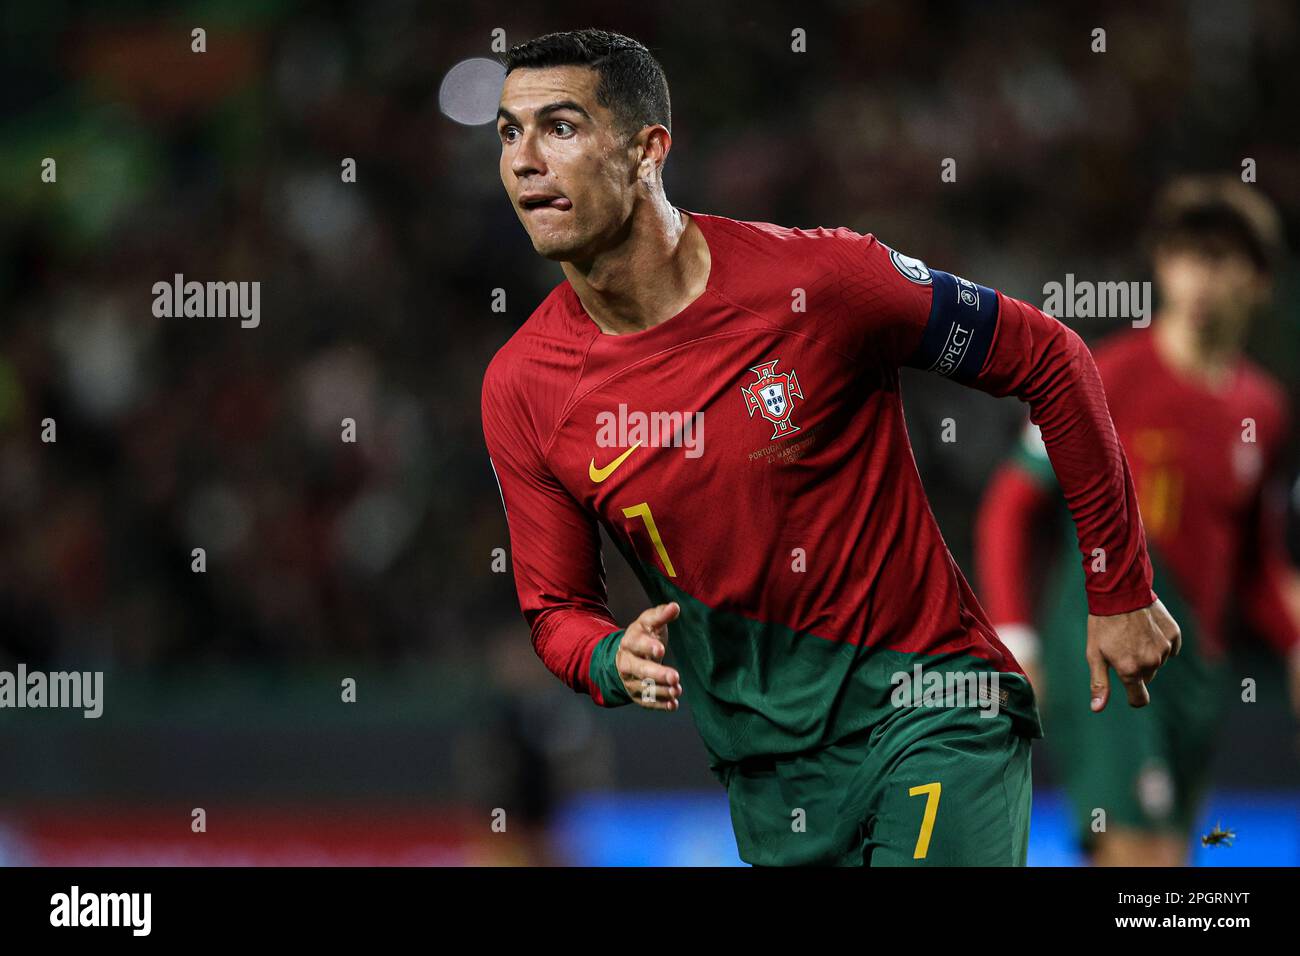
1047, 365
578, 646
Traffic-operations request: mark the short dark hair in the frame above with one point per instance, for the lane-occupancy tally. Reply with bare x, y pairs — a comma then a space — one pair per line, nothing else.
632, 84
1220, 214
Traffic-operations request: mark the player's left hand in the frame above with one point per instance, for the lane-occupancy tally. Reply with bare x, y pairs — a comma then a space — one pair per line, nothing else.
1136, 645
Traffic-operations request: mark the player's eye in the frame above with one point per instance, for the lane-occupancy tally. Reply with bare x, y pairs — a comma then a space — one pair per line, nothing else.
505, 133
562, 123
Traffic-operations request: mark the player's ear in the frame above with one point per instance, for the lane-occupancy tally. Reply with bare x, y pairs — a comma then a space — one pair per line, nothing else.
647, 139
646, 168
638, 152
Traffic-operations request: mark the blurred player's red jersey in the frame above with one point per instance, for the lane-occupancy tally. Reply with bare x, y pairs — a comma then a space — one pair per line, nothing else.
1201, 458
795, 532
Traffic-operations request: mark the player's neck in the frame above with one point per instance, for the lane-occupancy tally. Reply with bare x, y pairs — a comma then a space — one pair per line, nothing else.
1205, 359
659, 269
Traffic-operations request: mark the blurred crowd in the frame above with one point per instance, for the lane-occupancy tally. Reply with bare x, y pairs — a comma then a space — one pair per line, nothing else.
180, 433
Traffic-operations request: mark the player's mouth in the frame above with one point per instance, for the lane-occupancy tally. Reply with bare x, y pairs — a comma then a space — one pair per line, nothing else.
530, 202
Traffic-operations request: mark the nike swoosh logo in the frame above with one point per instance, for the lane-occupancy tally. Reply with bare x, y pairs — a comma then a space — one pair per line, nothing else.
600, 474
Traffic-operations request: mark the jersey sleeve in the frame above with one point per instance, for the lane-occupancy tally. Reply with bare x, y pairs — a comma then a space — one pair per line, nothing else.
928, 319
554, 549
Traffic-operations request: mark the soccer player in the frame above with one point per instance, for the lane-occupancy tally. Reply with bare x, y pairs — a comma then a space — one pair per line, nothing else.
1205, 428
723, 397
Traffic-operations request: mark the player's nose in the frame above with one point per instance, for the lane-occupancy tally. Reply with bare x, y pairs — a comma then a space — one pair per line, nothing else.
527, 157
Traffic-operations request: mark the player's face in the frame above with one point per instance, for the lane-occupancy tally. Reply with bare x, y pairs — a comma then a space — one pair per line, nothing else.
1213, 292
558, 145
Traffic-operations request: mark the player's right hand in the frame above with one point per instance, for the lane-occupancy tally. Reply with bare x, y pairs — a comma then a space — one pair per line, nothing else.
1136, 644
645, 642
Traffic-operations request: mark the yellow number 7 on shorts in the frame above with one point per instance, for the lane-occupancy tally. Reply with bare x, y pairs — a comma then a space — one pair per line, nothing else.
931, 791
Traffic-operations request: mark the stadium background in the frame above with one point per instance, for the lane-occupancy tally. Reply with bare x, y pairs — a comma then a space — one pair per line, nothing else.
372, 560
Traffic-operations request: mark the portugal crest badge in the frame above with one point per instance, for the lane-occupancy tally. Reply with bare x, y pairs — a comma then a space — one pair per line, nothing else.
773, 395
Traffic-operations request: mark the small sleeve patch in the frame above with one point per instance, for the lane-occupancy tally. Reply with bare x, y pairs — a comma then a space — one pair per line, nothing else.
959, 332
912, 269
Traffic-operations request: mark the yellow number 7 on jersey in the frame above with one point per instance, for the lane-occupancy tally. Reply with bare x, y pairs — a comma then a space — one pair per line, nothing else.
642, 511
931, 791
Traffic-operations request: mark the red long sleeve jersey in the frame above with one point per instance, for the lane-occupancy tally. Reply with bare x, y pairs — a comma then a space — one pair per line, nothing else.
749, 458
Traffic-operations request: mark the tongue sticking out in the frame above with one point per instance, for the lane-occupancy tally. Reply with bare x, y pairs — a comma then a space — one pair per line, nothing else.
560, 202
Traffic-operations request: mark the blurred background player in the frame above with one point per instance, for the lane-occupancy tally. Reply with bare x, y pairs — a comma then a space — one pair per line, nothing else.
1204, 430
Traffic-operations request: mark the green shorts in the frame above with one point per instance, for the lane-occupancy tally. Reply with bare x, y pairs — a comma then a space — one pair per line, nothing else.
1143, 768
924, 787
